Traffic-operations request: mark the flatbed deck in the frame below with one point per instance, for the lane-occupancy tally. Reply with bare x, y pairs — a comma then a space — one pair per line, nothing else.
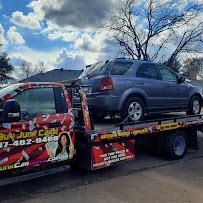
113, 124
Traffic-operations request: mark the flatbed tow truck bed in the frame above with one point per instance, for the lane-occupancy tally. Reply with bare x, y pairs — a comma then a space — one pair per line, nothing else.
111, 141
111, 125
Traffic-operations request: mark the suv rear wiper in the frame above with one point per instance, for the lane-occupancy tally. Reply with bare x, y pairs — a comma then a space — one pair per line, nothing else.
89, 76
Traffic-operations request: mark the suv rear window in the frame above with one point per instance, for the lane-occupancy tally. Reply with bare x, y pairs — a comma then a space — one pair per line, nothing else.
100, 68
147, 70
120, 68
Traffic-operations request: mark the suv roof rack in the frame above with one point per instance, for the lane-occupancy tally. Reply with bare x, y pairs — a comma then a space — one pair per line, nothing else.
121, 58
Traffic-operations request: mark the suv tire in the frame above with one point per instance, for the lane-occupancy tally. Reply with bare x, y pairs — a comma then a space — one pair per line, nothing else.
194, 107
136, 105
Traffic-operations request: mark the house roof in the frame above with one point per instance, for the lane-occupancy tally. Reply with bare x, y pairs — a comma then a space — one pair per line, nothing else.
55, 75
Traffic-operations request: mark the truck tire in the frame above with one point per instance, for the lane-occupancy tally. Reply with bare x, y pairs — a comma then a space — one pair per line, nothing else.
176, 144
194, 107
133, 109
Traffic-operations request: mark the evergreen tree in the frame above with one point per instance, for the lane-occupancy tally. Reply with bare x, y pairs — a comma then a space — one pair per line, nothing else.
6, 68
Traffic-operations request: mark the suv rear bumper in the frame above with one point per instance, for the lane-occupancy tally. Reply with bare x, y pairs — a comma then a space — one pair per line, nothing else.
103, 103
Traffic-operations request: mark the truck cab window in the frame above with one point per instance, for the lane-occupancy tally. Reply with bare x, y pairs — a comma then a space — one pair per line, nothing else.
35, 102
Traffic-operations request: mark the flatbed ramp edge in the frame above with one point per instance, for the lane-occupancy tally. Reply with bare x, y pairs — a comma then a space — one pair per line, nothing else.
146, 127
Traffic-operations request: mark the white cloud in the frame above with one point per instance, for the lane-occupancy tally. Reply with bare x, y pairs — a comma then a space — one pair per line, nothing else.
69, 61
65, 13
17, 60
22, 53
80, 30
86, 42
33, 19
92, 45
14, 37
30, 21
89, 43
3, 40
66, 36
53, 59
79, 14
194, 22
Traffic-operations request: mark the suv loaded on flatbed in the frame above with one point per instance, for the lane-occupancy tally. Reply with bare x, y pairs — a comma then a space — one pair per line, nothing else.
133, 88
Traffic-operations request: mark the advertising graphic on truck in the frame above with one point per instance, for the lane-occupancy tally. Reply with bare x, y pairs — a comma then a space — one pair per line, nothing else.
37, 138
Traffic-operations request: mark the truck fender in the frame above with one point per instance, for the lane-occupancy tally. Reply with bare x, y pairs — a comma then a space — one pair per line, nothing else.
129, 92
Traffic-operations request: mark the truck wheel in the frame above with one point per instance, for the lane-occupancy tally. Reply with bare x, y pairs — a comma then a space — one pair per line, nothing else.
194, 106
133, 110
176, 145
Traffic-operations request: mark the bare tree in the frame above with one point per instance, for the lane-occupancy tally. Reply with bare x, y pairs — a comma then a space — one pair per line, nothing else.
28, 69
40, 67
149, 31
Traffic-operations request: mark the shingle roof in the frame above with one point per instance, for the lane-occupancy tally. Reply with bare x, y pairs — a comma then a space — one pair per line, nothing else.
55, 75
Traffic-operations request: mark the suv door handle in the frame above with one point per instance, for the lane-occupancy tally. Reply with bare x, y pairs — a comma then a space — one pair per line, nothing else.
54, 125
140, 83
167, 86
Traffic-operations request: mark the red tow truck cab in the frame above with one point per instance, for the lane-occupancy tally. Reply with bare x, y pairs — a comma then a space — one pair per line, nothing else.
40, 125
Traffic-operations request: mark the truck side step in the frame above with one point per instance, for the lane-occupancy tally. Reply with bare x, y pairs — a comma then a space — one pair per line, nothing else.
30, 176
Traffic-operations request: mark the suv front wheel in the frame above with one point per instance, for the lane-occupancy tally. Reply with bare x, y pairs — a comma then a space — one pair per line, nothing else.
133, 110
194, 106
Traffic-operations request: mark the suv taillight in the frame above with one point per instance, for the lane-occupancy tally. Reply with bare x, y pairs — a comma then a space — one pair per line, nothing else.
106, 84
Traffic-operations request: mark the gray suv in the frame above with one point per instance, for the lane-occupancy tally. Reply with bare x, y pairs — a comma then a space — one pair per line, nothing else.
134, 88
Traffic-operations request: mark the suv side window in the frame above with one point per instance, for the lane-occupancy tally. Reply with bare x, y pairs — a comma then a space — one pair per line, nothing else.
147, 70
35, 102
120, 68
167, 75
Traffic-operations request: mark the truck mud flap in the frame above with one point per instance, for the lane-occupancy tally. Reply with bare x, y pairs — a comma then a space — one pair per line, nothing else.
93, 156
107, 154
192, 138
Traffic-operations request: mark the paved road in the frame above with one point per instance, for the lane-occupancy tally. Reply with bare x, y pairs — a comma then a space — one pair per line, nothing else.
147, 179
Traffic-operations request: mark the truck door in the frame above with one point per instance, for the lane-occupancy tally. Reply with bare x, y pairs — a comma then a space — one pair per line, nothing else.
44, 134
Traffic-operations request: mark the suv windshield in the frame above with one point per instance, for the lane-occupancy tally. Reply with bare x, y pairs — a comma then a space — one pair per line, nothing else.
96, 69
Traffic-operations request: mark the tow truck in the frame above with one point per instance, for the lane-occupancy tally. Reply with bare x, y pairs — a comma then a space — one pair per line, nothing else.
41, 125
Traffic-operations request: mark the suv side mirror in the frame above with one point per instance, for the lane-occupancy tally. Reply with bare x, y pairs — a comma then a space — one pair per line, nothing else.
11, 111
181, 80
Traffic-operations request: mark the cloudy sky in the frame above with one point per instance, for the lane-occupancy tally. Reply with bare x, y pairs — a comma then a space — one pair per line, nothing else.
61, 33
64, 33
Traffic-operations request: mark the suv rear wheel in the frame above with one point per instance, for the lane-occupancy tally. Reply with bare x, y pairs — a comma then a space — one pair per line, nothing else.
194, 106
133, 110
